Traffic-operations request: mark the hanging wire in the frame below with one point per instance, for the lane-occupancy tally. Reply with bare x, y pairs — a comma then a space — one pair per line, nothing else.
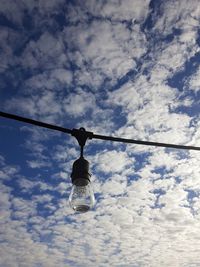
34, 122
82, 135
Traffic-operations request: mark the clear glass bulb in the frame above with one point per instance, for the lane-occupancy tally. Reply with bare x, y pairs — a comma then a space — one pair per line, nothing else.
81, 198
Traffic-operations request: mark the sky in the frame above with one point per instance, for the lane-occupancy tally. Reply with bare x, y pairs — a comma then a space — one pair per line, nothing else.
124, 68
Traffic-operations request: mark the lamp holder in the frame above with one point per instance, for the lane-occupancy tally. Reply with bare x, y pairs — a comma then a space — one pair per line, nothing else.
80, 172
81, 136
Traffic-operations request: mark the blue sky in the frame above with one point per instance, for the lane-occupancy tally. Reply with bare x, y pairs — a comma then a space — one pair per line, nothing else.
125, 68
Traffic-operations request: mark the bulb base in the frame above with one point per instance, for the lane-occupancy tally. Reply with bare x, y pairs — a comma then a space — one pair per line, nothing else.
81, 208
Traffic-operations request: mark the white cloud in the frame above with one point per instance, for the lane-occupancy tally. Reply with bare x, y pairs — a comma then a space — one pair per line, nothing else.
49, 80
45, 106
25, 105
126, 10
46, 52
194, 82
196, 136
114, 186
148, 115
37, 164
107, 55
177, 13
7, 171
80, 103
113, 161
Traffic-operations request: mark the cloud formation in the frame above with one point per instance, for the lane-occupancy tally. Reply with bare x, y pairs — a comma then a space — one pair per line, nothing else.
124, 68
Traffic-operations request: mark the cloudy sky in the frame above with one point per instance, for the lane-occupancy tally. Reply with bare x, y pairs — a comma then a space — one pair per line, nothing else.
125, 68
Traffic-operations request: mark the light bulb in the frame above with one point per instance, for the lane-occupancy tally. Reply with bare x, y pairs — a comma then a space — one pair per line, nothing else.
82, 198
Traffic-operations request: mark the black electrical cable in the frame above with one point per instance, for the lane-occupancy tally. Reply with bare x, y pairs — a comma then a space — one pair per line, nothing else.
82, 135
146, 143
34, 122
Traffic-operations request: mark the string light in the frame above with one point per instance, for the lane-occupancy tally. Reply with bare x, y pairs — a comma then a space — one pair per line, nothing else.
82, 198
